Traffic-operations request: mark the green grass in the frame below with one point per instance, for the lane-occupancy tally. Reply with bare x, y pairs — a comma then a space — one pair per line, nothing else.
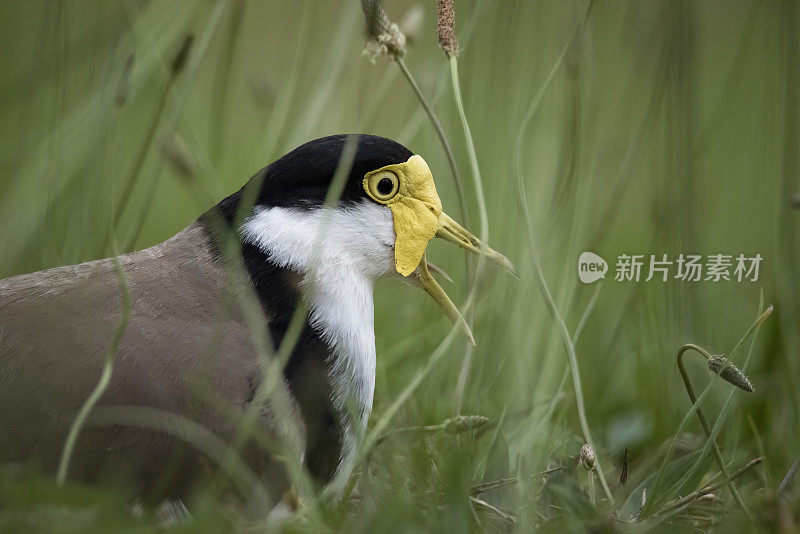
649, 127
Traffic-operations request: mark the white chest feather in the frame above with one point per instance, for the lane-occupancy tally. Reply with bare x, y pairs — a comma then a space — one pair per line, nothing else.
340, 252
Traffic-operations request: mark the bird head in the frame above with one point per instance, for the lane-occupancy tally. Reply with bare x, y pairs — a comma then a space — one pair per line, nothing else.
386, 215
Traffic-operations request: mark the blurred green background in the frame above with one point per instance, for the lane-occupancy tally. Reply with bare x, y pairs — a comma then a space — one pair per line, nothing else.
656, 127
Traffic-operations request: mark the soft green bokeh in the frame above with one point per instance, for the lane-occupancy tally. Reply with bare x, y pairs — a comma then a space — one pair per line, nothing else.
669, 127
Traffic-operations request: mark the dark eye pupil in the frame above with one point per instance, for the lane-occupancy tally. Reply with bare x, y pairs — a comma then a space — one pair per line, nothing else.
385, 186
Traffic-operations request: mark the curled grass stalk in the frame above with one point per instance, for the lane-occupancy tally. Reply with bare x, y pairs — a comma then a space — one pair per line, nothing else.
704, 423
105, 375
695, 406
751, 333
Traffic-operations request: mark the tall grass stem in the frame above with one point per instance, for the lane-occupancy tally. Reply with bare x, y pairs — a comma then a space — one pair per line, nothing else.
437, 126
105, 375
542, 283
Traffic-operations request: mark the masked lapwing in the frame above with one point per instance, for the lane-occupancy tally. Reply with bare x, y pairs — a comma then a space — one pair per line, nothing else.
189, 344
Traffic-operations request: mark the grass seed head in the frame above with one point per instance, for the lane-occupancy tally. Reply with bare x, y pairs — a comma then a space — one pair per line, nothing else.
721, 366
587, 457
463, 423
384, 36
446, 22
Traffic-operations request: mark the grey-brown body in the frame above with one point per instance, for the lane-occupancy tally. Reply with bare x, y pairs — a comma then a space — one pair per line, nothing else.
185, 350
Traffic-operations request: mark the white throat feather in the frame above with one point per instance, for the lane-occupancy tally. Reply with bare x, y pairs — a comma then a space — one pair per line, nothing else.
340, 253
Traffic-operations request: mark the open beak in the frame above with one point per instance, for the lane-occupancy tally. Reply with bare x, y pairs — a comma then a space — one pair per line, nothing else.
451, 231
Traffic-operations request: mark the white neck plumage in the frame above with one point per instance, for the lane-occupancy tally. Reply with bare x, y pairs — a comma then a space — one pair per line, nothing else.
340, 252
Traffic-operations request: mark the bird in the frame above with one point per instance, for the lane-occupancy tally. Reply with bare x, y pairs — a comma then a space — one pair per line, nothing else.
187, 323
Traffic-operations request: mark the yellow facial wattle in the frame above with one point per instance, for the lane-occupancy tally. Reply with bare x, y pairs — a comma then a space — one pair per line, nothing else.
408, 191
415, 207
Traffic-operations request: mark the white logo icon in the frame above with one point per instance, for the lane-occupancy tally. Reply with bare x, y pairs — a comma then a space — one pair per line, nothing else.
591, 267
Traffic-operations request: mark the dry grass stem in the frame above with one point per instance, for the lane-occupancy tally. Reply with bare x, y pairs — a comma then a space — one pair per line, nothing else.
494, 484
683, 501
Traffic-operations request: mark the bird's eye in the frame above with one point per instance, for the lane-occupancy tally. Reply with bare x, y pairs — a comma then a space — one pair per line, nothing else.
384, 185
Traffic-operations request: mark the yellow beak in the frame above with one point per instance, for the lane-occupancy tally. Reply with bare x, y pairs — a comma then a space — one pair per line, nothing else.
451, 231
